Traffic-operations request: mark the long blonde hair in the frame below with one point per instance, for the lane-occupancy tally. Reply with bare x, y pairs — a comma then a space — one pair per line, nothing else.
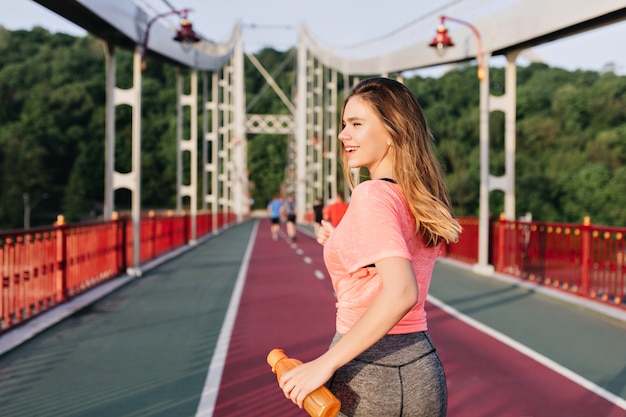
416, 169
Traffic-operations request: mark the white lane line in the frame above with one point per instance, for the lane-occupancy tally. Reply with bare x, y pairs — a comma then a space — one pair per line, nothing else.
547, 362
216, 368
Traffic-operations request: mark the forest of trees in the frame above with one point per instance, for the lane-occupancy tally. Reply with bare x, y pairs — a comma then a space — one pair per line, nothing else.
571, 133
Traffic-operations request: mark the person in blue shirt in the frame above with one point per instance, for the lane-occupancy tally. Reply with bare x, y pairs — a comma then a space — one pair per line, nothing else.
274, 207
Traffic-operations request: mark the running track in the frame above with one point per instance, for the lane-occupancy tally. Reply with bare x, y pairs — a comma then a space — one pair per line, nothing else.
287, 302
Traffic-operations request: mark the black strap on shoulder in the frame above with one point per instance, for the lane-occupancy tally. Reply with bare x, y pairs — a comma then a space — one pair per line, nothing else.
388, 180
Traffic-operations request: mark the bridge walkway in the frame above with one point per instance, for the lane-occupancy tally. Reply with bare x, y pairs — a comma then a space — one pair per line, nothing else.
190, 337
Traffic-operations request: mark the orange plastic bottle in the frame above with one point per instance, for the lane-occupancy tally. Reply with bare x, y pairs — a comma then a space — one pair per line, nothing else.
319, 403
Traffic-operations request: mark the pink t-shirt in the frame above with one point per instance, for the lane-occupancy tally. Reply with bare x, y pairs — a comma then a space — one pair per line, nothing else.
377, 225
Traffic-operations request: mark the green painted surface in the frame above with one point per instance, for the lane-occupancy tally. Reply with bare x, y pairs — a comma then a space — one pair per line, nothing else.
587, 343
142, 351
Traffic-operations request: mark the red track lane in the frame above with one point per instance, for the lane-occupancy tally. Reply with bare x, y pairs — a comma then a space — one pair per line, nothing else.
487, 378
284, 305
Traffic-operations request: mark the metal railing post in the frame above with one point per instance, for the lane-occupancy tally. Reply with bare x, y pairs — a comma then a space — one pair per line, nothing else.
60, 273
585, 255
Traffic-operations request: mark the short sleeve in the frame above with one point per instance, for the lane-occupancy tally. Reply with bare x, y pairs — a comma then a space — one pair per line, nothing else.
374, 226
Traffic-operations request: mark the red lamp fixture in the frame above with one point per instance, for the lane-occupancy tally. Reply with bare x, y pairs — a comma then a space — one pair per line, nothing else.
441, 41
185, 35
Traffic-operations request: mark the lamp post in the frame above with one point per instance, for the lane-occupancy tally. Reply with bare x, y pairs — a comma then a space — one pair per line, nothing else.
185, 35
28, 207
132, 96
442, 41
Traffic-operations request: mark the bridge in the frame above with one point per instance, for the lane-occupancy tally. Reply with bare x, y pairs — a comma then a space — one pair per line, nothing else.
190, 337
161, 361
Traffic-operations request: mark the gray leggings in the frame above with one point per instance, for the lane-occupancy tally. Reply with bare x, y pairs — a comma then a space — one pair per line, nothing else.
399, 376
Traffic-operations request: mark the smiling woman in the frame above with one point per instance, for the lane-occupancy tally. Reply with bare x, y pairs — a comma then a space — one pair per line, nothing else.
380, 258
365, 139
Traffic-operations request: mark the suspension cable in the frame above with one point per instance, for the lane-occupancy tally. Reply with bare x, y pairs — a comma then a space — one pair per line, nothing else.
425, 16
278, 70
168, 4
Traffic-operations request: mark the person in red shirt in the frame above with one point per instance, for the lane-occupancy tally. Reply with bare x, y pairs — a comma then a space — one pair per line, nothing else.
334, 212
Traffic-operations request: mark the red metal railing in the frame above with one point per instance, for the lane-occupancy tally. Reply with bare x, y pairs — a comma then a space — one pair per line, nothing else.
466, 249
42, 267
582, 259
87, 255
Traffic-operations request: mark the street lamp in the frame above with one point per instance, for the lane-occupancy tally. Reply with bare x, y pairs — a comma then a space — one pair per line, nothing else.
185, 35
28, 207
442, 41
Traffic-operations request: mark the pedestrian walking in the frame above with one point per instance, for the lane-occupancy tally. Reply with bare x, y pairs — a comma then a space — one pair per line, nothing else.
318, 215
334, 212
291, 212
274, 207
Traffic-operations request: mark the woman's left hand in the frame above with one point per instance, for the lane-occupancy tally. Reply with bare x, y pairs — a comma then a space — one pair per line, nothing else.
304, 379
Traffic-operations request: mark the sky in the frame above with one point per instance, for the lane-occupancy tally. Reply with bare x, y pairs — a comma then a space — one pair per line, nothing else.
274, 23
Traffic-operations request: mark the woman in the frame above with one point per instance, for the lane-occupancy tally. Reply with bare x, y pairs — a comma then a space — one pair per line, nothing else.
291, 212
382, 361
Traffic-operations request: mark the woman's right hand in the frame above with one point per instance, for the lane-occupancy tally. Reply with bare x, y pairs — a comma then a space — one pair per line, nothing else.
324, 232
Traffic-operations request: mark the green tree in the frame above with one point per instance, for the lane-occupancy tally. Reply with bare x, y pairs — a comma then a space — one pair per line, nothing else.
571, 132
